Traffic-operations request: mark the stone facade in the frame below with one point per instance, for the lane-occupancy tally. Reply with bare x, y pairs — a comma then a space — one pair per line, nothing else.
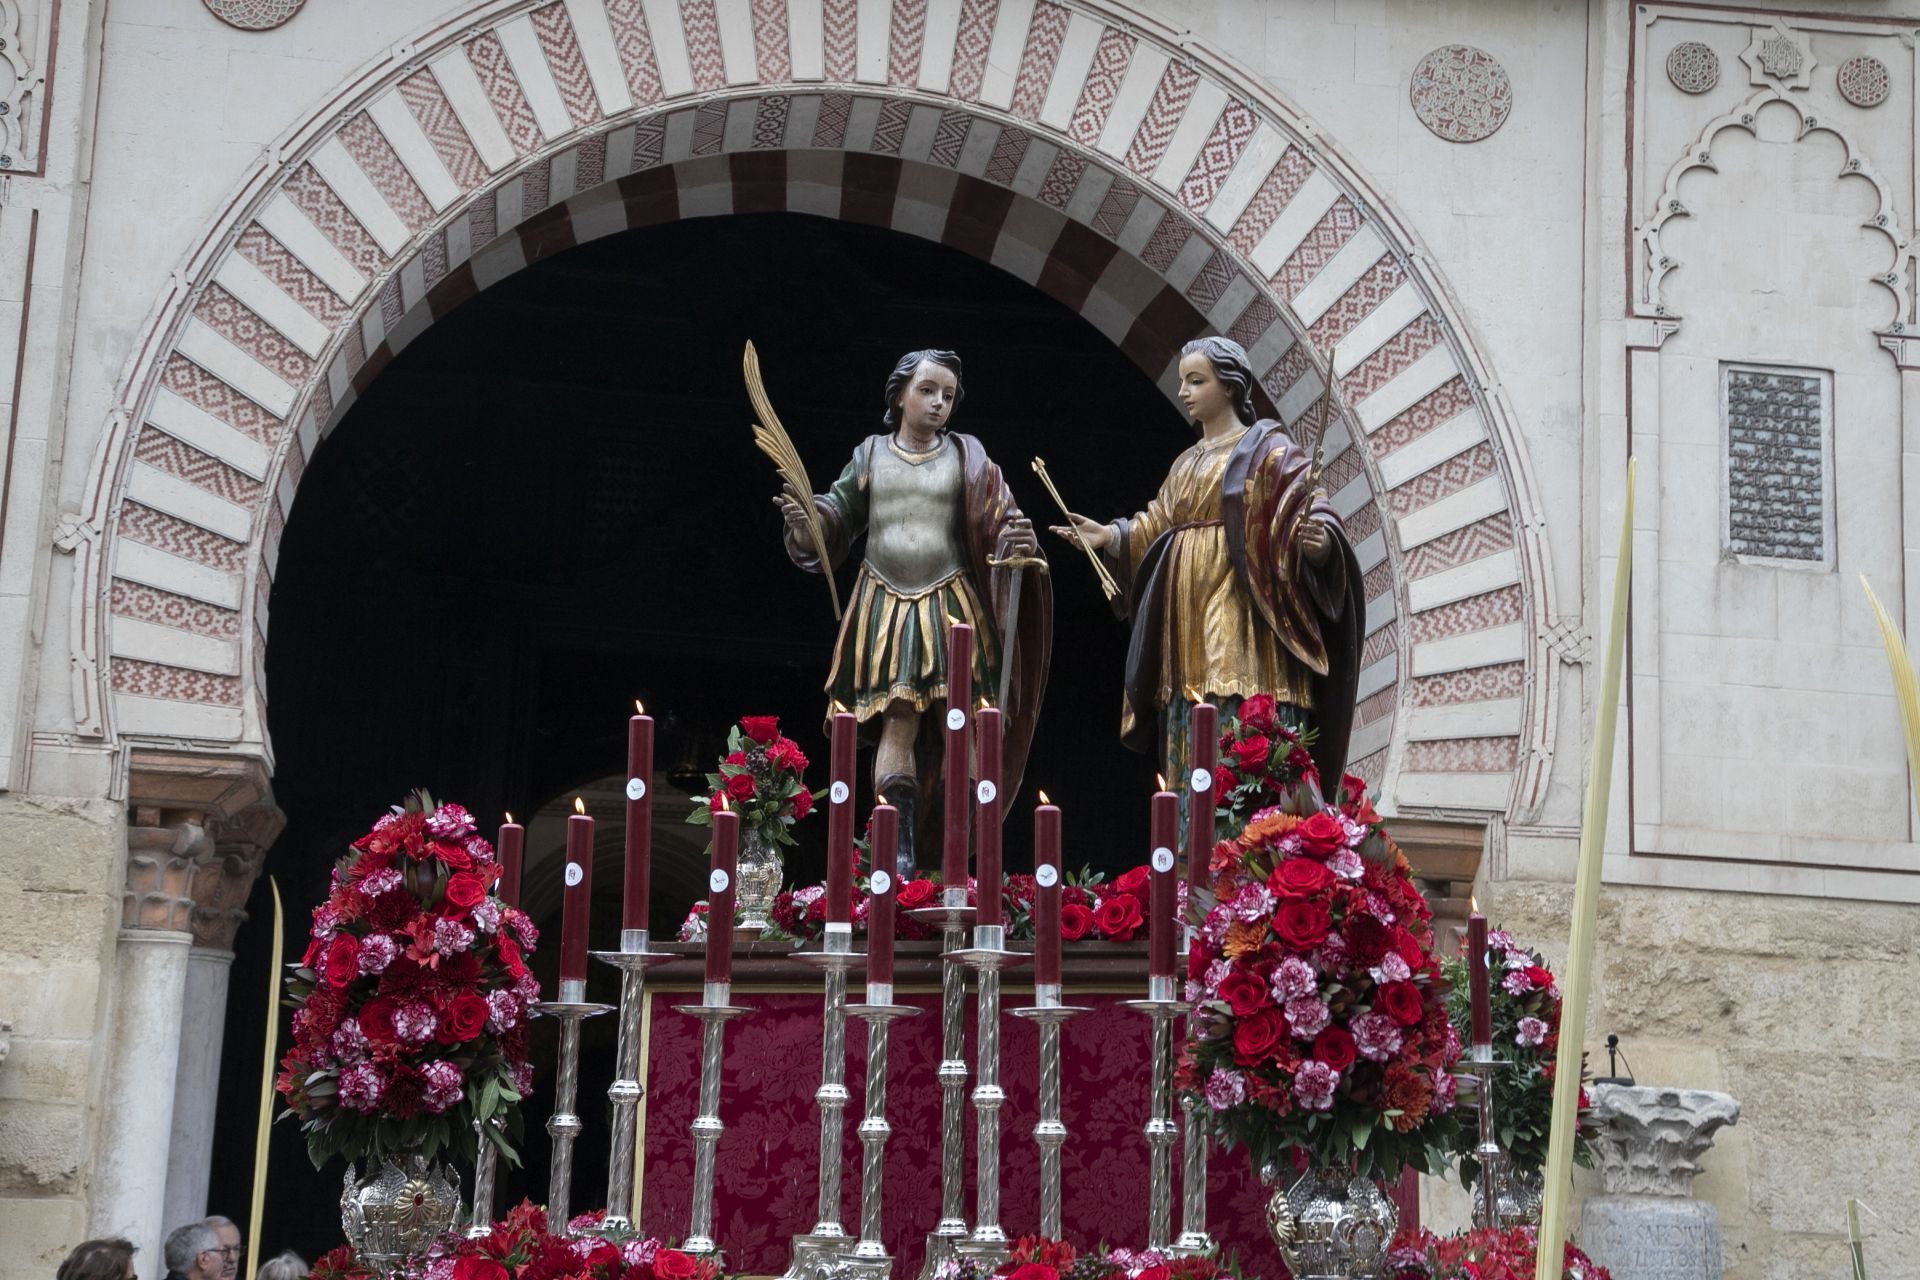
1526, 240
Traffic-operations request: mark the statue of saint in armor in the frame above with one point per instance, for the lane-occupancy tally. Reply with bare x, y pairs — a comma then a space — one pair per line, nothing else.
939, 522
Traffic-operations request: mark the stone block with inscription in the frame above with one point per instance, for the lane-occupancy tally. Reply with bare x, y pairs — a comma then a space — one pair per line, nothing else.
1646, 1224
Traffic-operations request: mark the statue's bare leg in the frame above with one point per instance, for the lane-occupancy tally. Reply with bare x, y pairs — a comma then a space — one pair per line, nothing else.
894, 779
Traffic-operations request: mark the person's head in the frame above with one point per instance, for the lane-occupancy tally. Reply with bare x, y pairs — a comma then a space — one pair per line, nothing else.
286, 1265
110, 1258
231, 1250
923, 390
1215, 375
194, 1251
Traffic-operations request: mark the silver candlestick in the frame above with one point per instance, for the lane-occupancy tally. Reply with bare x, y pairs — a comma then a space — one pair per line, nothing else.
987, 957
633, 960
819, 1253
486, 1167
714, 1012
869, 1259
952, 917
571, 1008
1194, 1238
1049, 1134
1161, 1009
1481, 1066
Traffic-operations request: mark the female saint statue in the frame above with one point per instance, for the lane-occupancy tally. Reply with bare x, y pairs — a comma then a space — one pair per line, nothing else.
1240, 577
945, 543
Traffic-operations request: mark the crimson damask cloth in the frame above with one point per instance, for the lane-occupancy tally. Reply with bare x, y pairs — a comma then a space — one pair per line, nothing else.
766, 1182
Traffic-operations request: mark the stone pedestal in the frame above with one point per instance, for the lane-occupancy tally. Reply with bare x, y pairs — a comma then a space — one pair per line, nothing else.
1646, 1224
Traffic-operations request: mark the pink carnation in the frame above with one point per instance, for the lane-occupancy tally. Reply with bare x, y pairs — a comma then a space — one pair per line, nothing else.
361, 1087
449, 822
385, 880
1293, 978
1517, 983
443, 1086
1445, 1091
348, 1044
450, 937
1308, 1016
414, 1022
1314, 1083
503, 1011
377, 951
1225, 1089
1376, 1036
1530, 1032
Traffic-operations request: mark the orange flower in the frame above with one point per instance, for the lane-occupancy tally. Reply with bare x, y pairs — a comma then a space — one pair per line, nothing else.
1243, 938
1265, 831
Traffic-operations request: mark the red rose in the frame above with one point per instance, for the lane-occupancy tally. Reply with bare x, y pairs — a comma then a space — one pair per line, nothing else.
1244, 993
1322, 835
479, 1269
1334, 1046
740, 786
1540, 978
1199, 956
1257, 712
763, 730
802, 803
1075, 920
1255, 1038
1118, 917
1250, 754
466, 889
376, 1020
1133, 883
465, 1017
454, 855
717, 802
1033, 1271
343, 960
1408, 948
738, 759
1223, 782
1299, 878
1402, 1003
671, 1264
914, 894
1301, 926
510, 958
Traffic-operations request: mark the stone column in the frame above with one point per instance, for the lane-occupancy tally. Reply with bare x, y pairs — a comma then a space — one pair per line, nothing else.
221, 887
1646, 1225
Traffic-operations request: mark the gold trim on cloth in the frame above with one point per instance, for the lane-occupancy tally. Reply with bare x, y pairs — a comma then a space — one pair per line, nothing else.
892, 647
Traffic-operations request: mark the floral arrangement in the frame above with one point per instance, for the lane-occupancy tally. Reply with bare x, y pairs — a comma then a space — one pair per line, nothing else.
1038, 1258
520, 1247
411, 1001
1262, 758
1524, 1000
1322, 1019
1479, 1255
760, 778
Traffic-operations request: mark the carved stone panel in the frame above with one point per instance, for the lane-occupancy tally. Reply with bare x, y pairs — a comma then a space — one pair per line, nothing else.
1461, 93
254, 15
1776, 501
1693, 67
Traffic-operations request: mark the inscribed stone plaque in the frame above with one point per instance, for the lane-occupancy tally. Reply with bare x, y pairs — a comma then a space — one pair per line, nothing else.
1776, 464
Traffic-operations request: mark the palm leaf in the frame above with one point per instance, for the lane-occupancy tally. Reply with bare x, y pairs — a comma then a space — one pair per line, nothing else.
1906, 687
772, 440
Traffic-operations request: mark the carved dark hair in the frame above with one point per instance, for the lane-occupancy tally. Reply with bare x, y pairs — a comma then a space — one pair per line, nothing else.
1231, 366
903, 374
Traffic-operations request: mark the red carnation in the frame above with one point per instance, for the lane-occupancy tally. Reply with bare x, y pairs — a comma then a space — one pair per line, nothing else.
671, 1264
1257, 713
479, 1269
1075, 920
1119, 916
1033, 1271
1322, 835
762, 729
1256, 1037
1334, 1046
914, 894
802, 803
343, 960
1402, 1003
1299, 878
740, 786
1250, 754
465, 1018
1368, 940
1244, 993
785, 753
1133, 883
466, 889
738, 759
1301, 926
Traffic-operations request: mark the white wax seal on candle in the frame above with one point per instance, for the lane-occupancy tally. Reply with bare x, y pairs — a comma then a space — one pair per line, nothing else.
1046, 875
575, 874
718, 881
956, 718
1163, 859
986, 791
1202, 780
838, 793
879, 882
636, 788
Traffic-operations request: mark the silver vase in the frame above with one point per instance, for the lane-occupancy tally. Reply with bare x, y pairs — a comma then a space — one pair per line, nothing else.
1331, 1225
401, 1206
1517, 1196
758, 875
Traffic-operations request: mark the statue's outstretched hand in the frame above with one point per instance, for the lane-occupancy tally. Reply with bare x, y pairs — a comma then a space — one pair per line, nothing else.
792, 511
1094, 534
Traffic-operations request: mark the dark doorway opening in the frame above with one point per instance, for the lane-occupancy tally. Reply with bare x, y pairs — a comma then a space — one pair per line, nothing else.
549, 505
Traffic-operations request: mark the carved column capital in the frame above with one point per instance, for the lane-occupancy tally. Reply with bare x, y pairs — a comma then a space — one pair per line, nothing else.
223, 883
180, 877
1651, 1139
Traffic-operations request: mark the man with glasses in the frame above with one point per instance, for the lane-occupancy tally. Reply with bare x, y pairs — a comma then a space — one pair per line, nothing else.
232, 1251
193, 1252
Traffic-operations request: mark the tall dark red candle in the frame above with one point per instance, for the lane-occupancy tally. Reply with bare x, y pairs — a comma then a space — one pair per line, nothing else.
511, 848
987, 726
1046, 896
1477, 987
720, 889
1161, 898
840, 823
880, 905
639, 879
1203, 751
959, 809
577, 901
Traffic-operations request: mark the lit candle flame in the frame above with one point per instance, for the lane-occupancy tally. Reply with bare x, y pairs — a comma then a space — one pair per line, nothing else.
839, 707
1161, 780
724, 806
638, 709
1043, 798
509, 817
1473, 903
579, 805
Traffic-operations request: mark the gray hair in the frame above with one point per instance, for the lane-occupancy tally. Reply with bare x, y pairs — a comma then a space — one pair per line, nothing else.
184, 1244
219, 1220
287, 1266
